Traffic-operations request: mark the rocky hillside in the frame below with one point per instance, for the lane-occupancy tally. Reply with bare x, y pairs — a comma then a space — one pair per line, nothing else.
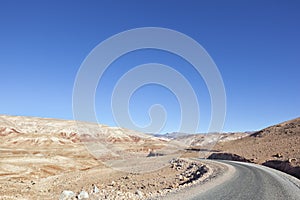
270, 146
285, 129
201, 139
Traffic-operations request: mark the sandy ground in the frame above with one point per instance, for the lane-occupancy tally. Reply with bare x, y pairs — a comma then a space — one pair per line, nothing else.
41, 158
31, 173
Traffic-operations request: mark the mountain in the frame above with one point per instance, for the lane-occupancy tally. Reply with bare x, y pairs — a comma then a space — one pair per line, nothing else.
203, 139
18, 130
103, 142
173, 135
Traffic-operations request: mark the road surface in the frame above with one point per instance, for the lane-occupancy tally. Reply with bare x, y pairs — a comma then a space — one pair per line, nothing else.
245, 182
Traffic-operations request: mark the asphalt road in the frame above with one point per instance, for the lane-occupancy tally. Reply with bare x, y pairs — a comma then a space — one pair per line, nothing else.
246, 182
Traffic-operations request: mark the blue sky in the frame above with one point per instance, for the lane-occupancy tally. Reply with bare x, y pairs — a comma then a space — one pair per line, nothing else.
255, 45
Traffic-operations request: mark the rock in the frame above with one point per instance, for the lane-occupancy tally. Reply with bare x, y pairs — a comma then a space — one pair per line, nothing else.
175, 185
277, 155
139, 194
181, 178
228, 156
113, 183
284, 166
291, 160
67, 195
83, 195
95, 189
185, 178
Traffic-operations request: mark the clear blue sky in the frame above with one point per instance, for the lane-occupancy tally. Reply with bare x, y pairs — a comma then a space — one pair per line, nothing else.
255, 44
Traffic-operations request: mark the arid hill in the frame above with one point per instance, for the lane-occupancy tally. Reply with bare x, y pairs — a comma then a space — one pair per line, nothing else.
276, 143
201, 145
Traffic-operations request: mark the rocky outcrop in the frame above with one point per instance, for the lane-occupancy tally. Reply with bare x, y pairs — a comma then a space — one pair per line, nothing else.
284, 166
193, 171
228, 156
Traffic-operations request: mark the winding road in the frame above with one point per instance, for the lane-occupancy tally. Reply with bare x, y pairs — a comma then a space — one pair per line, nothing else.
245, 182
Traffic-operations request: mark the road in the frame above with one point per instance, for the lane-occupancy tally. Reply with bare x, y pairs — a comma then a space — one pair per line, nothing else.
246, 182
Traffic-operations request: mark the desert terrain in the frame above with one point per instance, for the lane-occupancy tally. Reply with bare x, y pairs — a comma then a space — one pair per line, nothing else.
60, 159
276, 146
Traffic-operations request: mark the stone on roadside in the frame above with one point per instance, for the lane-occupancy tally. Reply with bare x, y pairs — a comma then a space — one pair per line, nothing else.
139, 194
67, 195
83, 195
95, 189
